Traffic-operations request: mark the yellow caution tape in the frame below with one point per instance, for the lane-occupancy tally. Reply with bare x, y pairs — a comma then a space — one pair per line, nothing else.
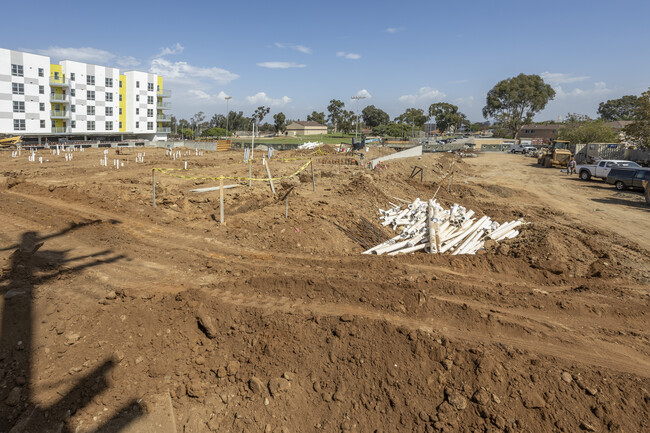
167, 170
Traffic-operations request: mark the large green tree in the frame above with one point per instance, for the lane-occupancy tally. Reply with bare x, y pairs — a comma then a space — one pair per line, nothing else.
639, 129
373, 116
618, 109
279, 124
414, 117
446, 115
346, 121
260, 113
513, 102
582, 129
316, 116
335, 109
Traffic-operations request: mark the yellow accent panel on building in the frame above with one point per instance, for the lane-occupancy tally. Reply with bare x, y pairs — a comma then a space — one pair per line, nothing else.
160, 83
56, 68
122, 117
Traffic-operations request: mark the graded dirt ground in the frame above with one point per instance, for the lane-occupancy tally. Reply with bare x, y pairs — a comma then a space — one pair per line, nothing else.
276, 324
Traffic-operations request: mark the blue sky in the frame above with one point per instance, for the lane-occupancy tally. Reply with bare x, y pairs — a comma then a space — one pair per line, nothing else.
296, 56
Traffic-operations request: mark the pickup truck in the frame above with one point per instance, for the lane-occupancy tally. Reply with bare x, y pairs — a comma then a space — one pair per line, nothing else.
602, 168
625, 178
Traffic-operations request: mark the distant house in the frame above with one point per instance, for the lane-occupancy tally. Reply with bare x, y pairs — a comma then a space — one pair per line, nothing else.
545, 132
306, 128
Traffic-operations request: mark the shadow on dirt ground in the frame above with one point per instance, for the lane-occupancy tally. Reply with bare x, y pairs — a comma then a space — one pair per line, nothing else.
30, 267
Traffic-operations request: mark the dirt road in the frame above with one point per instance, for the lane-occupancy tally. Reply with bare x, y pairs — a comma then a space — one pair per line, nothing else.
552, 326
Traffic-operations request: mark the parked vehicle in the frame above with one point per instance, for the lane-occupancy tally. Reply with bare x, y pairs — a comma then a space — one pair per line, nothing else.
602, 168
624, 178
517, 148
557, 154
529, 149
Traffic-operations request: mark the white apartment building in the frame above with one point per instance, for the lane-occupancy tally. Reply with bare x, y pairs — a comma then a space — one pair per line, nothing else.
79, 101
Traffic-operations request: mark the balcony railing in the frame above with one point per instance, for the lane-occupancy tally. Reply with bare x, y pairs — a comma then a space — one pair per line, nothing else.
164, 105
59, 130
164, 118
58, 97
164, 93
59, 82
164, 130
59, 114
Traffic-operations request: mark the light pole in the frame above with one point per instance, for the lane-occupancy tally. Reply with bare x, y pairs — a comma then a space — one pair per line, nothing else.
357, 97
227, 98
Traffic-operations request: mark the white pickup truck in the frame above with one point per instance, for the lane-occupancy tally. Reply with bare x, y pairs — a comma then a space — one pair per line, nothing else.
601, 168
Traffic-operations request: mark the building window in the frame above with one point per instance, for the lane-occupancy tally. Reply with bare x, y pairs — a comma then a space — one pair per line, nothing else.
120, 111
149, 126
42, 123
19, 107
73, 108
109, 97
158, 89
137, 124
41, 72
120, 125
150, 87
73, 124
17, 70
56, 76
149, 99
137, 111
17, 88
149, 112
41, 90
91, 125
137, 84
90, 80
90, 95
109, 82
137, 98
120, 97
72, 76
57, 107
19, 124
90, 109
120, 84
72, 92
109, 111
109, 126
54, 124
41, 106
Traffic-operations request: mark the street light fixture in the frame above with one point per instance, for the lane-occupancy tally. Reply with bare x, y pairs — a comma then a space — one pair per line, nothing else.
357, 97
227, 98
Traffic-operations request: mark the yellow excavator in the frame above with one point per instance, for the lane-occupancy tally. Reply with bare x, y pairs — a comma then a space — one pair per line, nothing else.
11, 141
557, 154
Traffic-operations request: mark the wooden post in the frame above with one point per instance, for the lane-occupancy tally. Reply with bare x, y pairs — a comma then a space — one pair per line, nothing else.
436, 228
313, 179
221, 199
268, 171
286, 207
153, 182
250, 172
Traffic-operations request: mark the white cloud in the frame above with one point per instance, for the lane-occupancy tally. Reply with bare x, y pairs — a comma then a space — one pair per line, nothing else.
262, 98
600, 88
127, 62
82, 54
280, 65
555, 78
175, 49
393, 30
469, 101
364, 93
351, 56
296, 47
199, 94
184, 72
222, 95
423, 94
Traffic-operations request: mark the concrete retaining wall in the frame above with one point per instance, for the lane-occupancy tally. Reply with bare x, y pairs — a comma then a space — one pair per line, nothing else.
408, 153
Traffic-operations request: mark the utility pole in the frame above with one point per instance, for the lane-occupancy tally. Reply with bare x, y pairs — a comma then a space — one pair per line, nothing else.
227, 98
357, 97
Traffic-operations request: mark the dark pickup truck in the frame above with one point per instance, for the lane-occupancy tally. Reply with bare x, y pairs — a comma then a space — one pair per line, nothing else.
625, 178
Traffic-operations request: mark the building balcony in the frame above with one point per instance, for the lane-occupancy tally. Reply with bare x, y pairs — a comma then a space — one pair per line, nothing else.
164, 118
163, 105
55, 97
61, 82
59, 114
164, 130
164, 94
60, 130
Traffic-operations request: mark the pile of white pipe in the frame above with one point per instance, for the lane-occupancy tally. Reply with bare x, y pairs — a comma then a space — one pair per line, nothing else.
426, 225
309, 145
